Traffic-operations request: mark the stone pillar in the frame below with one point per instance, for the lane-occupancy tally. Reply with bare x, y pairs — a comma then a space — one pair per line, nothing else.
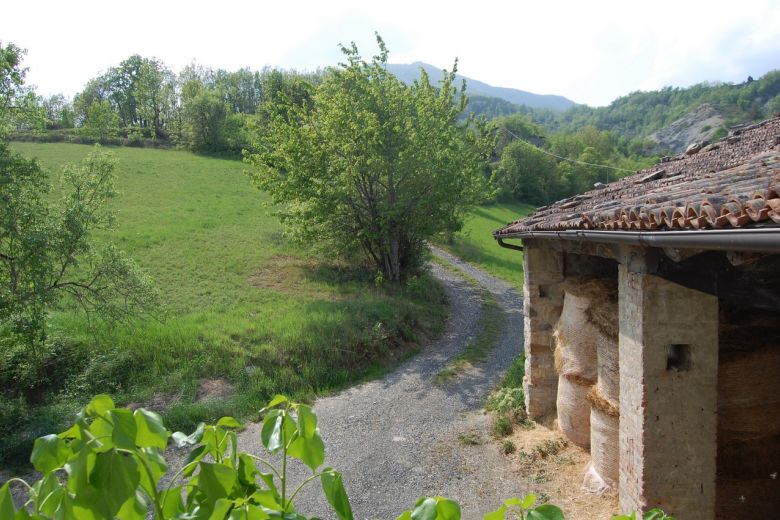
668, 396
542, 302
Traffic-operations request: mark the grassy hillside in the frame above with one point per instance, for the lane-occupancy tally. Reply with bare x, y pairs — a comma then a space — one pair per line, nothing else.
242, 307
476, 245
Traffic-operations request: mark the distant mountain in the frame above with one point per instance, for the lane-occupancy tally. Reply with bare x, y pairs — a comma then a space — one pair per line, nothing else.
410, 72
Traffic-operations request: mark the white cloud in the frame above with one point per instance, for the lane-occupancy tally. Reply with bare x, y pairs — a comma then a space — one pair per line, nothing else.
589, 51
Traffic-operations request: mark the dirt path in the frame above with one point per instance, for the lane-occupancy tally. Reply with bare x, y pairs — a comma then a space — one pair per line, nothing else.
396, 438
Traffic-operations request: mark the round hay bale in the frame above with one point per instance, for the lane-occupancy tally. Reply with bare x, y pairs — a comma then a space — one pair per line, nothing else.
573, 409
748, 400
747, 499
575, 339
604, 446
608, 369
754, 459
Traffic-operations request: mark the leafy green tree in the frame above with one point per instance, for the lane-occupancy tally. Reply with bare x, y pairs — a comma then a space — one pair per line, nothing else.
59, 112
47, 250
203, 117
526, 173
19, 108
516, 126
372, 164
155, 94
101, 121
95, 90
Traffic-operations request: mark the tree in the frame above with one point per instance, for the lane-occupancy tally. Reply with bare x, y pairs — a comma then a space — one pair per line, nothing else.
372, 164
59, 112
203, 117
528, 174
101, 121
47, 250
18, 104
155, 95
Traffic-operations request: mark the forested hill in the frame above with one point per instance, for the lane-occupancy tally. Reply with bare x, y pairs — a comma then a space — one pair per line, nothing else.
409, 72
672, 117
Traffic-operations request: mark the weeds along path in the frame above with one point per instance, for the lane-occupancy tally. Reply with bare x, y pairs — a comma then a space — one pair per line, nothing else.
397, 438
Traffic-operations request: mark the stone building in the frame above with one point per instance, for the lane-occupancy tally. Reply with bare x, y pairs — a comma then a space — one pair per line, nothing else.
690, 247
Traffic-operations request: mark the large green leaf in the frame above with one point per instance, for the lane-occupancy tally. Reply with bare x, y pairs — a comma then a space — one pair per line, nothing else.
333, 487
124, 432
151, 458
134, 509
310, 451
7, 508
271, 434
228, 422
528, 501
79, 468
425, 510
99, 405
498, 514
246, 469
151, 432
49, 453
216, 480
221, 509
192, 457
102, 429
447, 509
268, 499
307, 422
545, 512
116, 477
182, 440
48, 494
172, 503
276, 401
268, 479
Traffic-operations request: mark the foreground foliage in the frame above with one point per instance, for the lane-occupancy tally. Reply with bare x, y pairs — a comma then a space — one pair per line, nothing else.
111, 464
372, 165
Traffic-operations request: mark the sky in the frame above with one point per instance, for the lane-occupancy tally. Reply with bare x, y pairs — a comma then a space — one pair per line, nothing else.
590, 51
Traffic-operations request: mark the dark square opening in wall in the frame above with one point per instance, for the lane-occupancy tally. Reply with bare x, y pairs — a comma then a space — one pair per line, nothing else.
678, 358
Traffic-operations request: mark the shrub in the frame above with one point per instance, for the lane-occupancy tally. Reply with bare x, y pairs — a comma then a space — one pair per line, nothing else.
502, 426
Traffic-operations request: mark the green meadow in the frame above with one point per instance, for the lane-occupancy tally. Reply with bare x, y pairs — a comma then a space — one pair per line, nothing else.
475, 243
244, 313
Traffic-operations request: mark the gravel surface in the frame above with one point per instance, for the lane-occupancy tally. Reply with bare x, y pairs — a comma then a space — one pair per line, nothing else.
396, 438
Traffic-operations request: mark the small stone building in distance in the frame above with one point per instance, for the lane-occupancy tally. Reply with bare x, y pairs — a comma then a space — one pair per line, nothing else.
652, 328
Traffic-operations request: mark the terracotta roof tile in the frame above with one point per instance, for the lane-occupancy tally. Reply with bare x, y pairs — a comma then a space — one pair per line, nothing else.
732, 183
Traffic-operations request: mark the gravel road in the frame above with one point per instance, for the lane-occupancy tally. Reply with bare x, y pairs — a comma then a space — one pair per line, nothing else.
396, 438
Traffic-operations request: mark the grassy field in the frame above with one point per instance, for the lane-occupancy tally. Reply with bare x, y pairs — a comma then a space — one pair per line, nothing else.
475, 243
244, 311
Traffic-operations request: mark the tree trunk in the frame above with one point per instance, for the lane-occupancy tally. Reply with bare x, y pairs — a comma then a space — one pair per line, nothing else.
395, 262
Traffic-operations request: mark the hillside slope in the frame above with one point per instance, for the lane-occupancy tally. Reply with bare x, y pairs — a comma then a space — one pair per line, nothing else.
411, 71
672, 115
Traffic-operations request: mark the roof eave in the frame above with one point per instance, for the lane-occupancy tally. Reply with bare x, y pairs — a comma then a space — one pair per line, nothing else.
764, 240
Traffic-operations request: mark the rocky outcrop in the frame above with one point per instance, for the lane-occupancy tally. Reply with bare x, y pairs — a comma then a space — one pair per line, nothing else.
695, 127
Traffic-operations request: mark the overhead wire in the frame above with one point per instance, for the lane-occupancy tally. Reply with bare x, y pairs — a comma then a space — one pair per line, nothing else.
575, 161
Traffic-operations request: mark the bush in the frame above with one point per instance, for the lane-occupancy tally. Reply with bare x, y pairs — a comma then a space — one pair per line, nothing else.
502, 426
